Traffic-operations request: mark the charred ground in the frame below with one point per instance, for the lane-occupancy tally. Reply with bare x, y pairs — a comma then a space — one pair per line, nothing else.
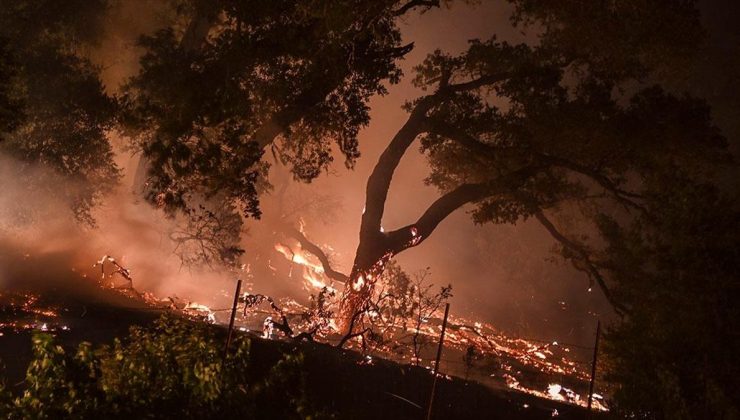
341, 381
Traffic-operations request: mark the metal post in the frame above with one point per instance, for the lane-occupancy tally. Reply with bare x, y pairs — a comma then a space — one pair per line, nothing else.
436, 362
233, 316
593, 366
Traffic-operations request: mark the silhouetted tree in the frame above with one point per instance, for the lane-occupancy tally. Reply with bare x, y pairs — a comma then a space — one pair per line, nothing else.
424, 305
11, 103
568, 125
678, 273
66, 111
233, 79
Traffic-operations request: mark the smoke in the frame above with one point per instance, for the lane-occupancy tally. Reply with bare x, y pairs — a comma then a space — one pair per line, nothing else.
499, 273
44, 247
504, 274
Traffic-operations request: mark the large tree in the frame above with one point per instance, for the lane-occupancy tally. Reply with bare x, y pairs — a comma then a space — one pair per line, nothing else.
65, 110
676, 268
230, 80
571, 124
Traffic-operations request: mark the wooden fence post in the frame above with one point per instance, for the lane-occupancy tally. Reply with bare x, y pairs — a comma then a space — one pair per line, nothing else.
233, 316
436, 362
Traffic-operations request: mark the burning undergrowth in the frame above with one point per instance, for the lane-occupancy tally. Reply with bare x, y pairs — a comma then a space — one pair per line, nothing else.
56, 277
401, 322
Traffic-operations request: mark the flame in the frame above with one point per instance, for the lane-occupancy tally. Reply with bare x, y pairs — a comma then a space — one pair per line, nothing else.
313, 273
553, 390
297, 256
287, 252
315, 279
197, 309
357, 285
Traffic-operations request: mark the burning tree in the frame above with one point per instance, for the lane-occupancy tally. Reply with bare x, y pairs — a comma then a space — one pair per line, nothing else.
315, 320
396, 310
531, 131
556, 126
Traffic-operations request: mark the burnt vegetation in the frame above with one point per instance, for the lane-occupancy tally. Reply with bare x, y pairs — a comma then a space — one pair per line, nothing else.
605, 127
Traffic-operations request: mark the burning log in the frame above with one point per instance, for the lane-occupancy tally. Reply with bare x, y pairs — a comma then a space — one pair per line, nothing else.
320, 254
118, 269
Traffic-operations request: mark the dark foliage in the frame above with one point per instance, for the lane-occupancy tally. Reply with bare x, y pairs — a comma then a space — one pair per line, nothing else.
66, 111
173, 369
678, 272
210, 100
570, 126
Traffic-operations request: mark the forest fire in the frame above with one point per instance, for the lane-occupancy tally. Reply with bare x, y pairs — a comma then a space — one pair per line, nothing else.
360, 199
23, 311
515, 354
515, 363
501, 361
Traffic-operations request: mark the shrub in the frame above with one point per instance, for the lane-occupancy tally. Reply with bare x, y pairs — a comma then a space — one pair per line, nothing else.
173, 369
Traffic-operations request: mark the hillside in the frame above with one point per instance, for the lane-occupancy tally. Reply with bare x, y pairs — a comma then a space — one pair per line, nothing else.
343, 381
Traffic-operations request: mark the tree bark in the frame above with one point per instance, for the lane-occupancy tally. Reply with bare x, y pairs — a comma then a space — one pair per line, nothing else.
375, 247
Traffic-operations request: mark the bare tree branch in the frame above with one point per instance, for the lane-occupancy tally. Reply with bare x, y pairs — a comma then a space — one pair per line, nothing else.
460, 136
625, 197
350, 330
583, 256
378, 183
480, 82
413, 4
319, 253
416, 233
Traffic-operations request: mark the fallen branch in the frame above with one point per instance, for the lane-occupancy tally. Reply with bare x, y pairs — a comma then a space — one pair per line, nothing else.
319, 253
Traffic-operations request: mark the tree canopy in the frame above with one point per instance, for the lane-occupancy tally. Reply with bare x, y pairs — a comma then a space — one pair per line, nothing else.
557, 126
65, 110
11, 103
577, 128
234, 79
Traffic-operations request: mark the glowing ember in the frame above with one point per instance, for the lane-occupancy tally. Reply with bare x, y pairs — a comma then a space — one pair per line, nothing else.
513, 362
415, 237
553, 390
357, 284
202, 311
